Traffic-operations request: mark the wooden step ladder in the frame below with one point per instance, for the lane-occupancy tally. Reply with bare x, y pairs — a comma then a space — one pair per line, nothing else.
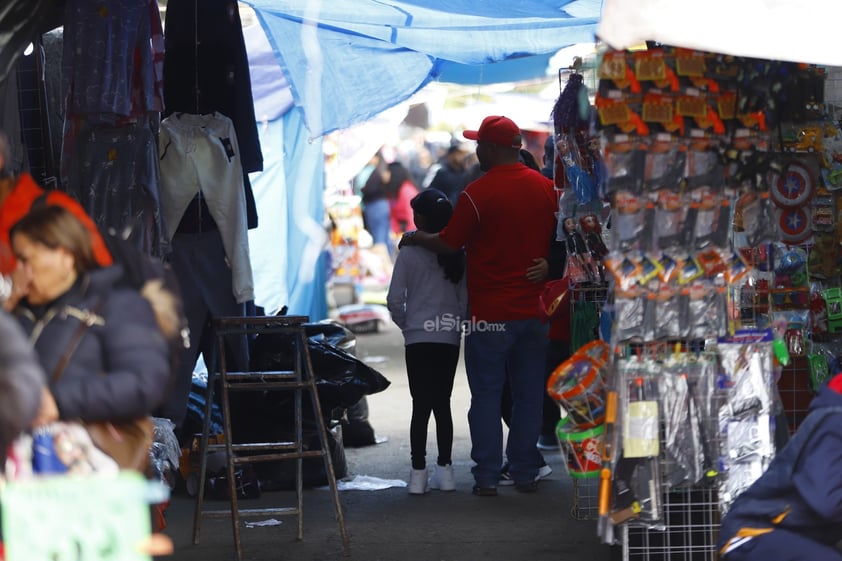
299, 380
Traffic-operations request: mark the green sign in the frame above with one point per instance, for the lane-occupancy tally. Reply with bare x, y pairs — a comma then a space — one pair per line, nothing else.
66, 518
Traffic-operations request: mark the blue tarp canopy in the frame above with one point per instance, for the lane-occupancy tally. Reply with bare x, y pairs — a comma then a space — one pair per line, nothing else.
348, 60
342, 62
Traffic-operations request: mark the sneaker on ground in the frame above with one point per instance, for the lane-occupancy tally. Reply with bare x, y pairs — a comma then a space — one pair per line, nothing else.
418, 484
485, 491
506, 479
443, 479
544, 472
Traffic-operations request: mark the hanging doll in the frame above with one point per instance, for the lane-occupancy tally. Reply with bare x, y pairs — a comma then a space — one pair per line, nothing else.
579, 267
570, 122
592, 234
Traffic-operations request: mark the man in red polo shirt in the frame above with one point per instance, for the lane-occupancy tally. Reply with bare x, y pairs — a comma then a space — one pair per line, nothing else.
504, 220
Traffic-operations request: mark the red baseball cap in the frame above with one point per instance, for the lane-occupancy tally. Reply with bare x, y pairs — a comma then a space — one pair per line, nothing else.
496, 130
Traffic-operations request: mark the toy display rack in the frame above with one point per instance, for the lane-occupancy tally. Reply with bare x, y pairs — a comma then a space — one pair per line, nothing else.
690, 518
586, 490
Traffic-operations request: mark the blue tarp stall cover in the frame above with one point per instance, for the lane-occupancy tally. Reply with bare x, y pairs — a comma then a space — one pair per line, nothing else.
348, 60
341, 62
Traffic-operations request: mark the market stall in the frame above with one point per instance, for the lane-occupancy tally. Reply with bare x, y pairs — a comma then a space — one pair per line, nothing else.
723, 298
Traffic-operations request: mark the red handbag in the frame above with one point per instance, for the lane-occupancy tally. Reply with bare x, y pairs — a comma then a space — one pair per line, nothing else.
554, 300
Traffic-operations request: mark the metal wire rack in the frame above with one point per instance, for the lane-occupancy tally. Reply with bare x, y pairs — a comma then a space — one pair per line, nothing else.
585, 498
688, 525
690, 533
589, 298
586, 303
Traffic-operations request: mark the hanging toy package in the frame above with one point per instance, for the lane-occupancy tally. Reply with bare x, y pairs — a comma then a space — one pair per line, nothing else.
624, 163
746, 359
629, 310
632, 222
757, 220
640, 427
665, 165
707, 311
747, 450
671, 313
669, 220
578, 178
704, 167
682, 433
706, 392
710, 223
638, 469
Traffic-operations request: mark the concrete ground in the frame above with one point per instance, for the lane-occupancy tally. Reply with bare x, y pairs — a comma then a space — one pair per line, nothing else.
390, 524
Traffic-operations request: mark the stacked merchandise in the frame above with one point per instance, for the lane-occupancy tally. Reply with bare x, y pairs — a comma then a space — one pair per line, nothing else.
688, 143
794, 286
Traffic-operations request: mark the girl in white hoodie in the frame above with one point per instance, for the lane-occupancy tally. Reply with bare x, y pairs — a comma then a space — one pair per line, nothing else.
428, 301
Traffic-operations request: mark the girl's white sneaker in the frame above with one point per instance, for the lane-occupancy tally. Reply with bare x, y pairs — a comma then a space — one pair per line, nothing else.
418, 482
443, 479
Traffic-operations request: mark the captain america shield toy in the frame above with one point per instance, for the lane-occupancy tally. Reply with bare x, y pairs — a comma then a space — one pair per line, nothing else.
794, 225
793, 187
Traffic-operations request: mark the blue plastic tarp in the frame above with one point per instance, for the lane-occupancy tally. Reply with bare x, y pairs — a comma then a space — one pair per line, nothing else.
348, 60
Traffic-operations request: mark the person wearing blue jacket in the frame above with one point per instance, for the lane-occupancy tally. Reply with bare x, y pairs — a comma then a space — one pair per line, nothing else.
793, 512
114, 369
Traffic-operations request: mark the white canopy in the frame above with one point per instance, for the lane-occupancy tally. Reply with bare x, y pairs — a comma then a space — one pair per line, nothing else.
791, 30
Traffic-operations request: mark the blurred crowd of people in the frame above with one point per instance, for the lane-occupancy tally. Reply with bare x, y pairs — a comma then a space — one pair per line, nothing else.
388, 183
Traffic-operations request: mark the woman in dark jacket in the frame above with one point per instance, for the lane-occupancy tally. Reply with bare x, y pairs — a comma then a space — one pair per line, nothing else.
119, 368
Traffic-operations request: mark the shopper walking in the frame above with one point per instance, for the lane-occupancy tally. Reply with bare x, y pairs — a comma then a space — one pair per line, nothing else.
427, 300
114, 369
504, 220
376, 210
451, 177
400, 191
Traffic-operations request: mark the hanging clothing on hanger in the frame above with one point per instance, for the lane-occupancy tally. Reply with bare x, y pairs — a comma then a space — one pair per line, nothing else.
113, 97
199, 156
206, 69
203, 203
107, 61
114, 176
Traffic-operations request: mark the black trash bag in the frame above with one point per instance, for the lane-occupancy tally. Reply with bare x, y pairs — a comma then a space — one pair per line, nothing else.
356, 430
192, 424
333, 333
280, 475
342, 379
